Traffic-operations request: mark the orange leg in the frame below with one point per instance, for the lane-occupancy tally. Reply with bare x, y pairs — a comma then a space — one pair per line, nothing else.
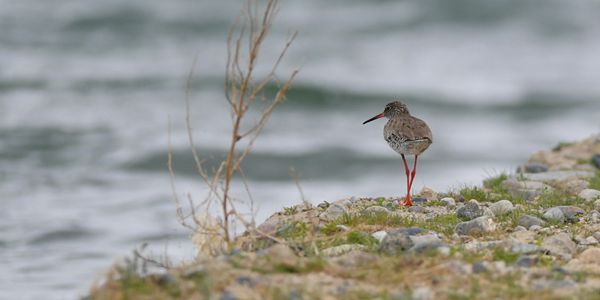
407, 201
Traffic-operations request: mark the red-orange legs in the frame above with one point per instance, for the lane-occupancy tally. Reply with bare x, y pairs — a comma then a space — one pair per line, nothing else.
407, 201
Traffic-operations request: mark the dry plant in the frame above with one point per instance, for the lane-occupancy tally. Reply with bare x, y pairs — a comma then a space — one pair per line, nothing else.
246, 96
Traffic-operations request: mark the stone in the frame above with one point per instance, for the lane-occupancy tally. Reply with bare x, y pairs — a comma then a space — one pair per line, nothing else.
560, 245
588, 261
428, 194
527, 221
395, 242
589, 195
479, 267
323, 205
425, 242
422, 293
376, 209
334, 211
596, 160
418, 209
419, 200
528, 190
532, 168
477, 246
279, 255
475, 227
342, 249
447, 201
469, 211
535, 228
520, 228
526, 261
596, 235
572, 186
501, 207
379, 235
554, 214
597, 204
556, 175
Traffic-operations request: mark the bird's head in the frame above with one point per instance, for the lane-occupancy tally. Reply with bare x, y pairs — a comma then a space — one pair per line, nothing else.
392, 109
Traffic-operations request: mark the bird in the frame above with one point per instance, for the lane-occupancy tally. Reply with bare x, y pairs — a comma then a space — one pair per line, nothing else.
407, 135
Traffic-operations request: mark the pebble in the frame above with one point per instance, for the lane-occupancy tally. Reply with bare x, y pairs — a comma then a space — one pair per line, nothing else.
597, 204
556, 175
561, 245
527, 221
520, 228
596, 235
342, 249
573, 186
447, 201
589, 195
501, 207
425, 242
477, 226
376, 209
422, 293
532, 168
479, 267
526, 261
379, 235
428, 193
469, 211
419, 200
528, 190
587, 261
395, 242
535, 228
334, 211
418, 209
564, 213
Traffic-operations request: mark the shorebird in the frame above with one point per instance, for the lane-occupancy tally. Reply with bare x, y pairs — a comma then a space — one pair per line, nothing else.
407, 135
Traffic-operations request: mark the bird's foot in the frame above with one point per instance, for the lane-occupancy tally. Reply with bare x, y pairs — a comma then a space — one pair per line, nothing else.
406, 201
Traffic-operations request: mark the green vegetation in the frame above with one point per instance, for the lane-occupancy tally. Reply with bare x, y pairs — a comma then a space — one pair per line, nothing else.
362, 238
595, 181
473, 193
504, 255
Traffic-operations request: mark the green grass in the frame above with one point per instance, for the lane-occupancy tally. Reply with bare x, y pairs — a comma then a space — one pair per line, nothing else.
504, 255
289, 211
296, 230
595, 181
473, 193
362, 238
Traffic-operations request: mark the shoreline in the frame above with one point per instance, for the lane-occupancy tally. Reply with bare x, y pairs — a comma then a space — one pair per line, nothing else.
532, 233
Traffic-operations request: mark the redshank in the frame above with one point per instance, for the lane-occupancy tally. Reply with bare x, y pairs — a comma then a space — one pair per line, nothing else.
407, 135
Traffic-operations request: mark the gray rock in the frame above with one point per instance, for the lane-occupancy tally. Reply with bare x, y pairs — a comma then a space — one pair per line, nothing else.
376, 209
477, 226
323, 205
528, 190
596, 235
501, 207
419, 200
447, 201
532, 168
228, 295
523, 248
554, 214
425, 242
395, 242
418, 209
527, 221
535, 228
479, 267
422, 293
589, 195
526, 261
596, 160
560, 245
279, 255
469, 211
520, 228
557, 175
379, 235
334, 211
545, 284
342, 249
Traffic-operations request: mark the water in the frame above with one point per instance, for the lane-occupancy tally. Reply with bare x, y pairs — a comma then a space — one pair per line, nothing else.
87, 89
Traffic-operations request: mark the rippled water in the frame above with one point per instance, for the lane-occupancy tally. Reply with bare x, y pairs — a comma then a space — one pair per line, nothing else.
87, 88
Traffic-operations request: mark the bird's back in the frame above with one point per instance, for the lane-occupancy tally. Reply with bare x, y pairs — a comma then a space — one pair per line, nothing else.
407, 135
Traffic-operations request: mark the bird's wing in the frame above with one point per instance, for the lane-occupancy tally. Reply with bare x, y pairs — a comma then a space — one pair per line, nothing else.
411, 128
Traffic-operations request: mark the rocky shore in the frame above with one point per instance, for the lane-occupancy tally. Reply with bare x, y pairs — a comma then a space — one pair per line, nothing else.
531, 234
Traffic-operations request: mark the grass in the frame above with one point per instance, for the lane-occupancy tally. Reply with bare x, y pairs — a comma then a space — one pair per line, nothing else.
595, 181
473, 193
362, 238
501, 254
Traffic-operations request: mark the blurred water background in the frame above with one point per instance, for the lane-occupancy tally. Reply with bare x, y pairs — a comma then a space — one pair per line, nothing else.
87, 88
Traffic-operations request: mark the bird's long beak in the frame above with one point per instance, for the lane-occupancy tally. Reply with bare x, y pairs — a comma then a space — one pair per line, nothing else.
379, 116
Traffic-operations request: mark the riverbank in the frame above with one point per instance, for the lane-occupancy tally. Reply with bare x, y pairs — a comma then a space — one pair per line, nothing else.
534, 233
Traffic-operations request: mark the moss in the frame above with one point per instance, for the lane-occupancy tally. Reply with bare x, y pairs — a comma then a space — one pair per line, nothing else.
473, 193
362, 238
504, 255
288, 211
296, 230
444, 223
595, 181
